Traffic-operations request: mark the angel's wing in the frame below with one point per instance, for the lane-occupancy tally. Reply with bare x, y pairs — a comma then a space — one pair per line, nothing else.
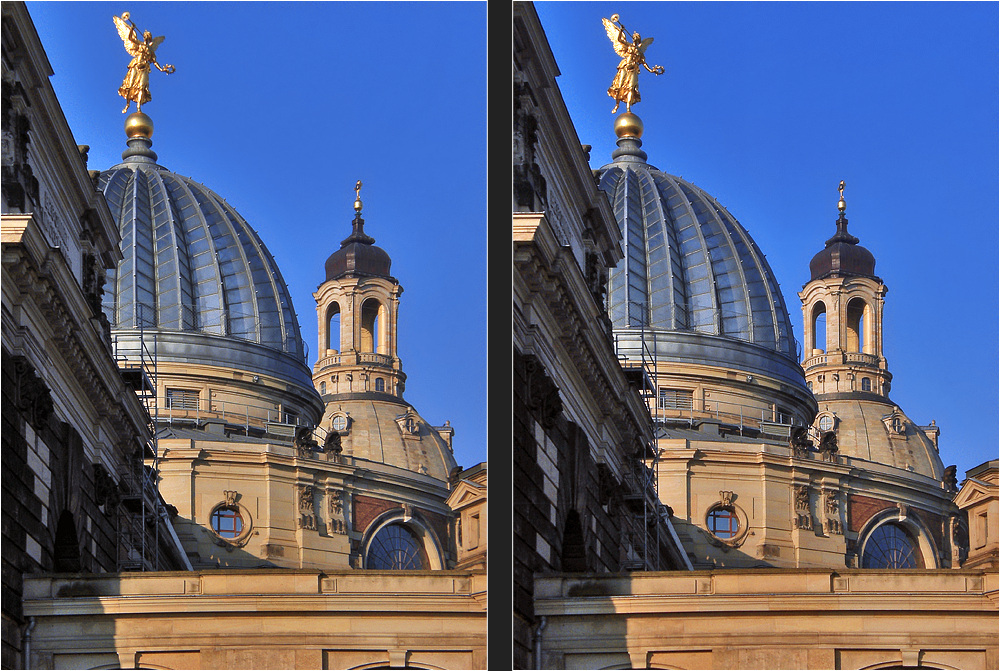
645, 43
156, 42
614, 34
125, 32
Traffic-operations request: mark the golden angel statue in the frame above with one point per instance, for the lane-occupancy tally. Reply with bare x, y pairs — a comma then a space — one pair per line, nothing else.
625, 87
135, 87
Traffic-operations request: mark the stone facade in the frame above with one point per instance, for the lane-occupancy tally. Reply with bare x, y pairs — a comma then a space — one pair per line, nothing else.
816, 522
271, 512
283, 619
70, 422
583, 498
767, 619
468, 499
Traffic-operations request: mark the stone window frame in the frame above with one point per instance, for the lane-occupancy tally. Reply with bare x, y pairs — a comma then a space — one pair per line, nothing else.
248, 523
407, 517
826, 413
738, 512
900, 516
347, 423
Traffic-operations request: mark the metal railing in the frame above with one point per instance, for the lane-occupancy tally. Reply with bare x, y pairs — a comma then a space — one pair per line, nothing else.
743, 416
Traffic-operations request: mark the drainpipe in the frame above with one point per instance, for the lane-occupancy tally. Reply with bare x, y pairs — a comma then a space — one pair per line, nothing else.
27, 642
538, 641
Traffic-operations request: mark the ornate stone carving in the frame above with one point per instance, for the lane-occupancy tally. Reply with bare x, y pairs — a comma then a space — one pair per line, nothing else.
832, 502
336, 502
304, 442
93, 282
332, 444
726, 498
31, 397
803, 518
950, 479
798, 440
231, 497
828, 446
801, 497
307, 510
542, 393
306, 499
20, 186
528, 181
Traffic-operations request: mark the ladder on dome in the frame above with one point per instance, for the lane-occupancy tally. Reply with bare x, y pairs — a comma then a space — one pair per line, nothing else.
140, 508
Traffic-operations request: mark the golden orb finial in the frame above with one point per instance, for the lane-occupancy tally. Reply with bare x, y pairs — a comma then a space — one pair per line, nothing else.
628, 125
841, 204
138, 124
357, 200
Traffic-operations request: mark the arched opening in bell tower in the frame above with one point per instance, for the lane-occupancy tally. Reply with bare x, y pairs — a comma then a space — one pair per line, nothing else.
370, 324
856, 310
818, 321
333, 327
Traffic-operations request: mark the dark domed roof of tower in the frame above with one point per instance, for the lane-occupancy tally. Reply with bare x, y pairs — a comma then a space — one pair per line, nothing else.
689, 265
358, 255
194, 267
842, 256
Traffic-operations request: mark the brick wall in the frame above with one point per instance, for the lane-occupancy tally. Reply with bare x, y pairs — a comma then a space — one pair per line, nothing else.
860, 509
367, 508
46, 476
553, 473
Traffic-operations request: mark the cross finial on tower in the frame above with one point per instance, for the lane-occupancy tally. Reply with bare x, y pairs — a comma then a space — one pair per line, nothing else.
357, 199
841, 205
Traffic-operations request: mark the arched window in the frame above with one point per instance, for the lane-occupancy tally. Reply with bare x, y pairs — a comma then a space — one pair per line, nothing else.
856, 309
379, 384
322, 387
818, 327
866, 384
227, 522
370, 310
333, 326
396, 547
890, 545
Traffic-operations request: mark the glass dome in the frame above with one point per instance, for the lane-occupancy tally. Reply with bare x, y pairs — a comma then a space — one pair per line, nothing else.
689, 265
195, 272
192, 263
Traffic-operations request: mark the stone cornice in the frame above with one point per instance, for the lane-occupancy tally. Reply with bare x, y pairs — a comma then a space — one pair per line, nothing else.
31, 266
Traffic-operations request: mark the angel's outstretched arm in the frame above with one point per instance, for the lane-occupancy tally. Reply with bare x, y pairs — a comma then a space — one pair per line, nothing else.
656, 69
169, 69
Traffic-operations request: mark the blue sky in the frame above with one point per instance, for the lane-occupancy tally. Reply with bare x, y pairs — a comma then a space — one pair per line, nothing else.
280, 108
767, 106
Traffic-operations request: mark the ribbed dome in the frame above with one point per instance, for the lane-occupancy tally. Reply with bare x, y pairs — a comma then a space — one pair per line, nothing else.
689, 265
358, 256
842, 255
193, 267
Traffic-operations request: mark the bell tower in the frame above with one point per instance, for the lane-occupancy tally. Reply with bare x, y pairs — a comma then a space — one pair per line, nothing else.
358, 309
842, 308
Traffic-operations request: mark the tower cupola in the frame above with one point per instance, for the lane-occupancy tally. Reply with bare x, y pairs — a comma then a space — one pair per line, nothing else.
842, 307
357, 307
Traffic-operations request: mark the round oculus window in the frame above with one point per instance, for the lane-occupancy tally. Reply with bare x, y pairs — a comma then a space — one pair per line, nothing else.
339, 423
723, 523
826, 423
227, 522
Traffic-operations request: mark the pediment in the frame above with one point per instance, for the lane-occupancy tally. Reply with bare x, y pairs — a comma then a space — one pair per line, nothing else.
974, 491
465, 493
